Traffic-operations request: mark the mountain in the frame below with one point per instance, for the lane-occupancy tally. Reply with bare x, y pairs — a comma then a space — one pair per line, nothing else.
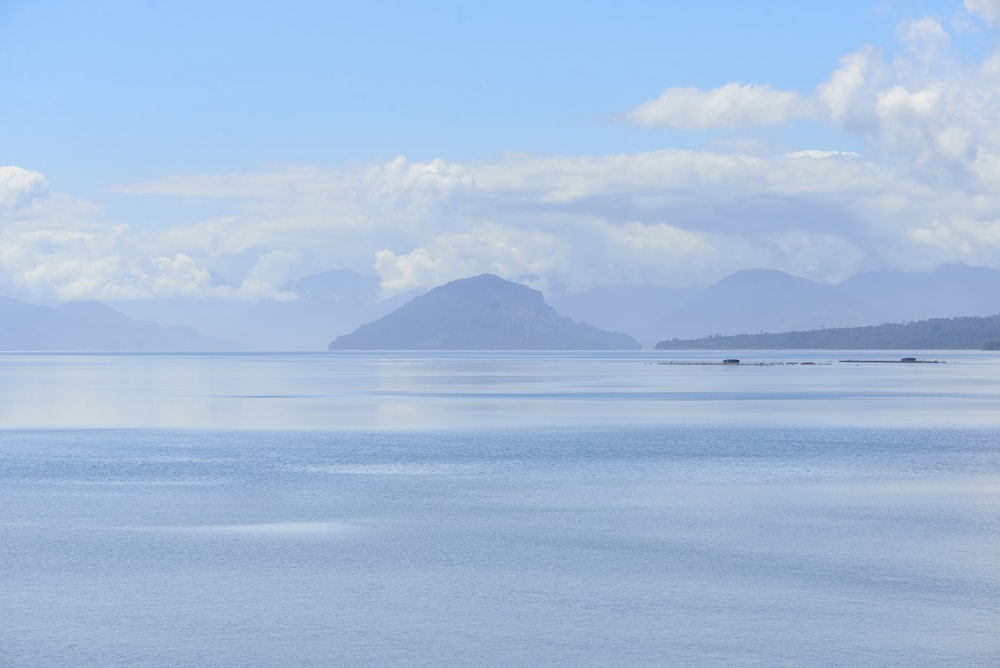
90, 326
480, 313
339, 301
335, 301
969, 333
945, 292
760, 300
636, 309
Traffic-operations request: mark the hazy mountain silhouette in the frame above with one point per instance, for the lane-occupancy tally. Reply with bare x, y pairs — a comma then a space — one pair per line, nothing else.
339, 301
83, 326
947, 291
483, 312
761, 300
638, 310
329, 303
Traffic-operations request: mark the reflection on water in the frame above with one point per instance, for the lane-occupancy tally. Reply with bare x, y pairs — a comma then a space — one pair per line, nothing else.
477, 389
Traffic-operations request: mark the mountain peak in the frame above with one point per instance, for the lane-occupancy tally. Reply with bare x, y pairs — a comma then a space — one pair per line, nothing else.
480, 312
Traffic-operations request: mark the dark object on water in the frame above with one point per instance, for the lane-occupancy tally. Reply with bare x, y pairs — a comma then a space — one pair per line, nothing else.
902, 360
731, 361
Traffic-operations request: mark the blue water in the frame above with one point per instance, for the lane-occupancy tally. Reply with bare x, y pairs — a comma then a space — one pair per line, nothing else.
498, 508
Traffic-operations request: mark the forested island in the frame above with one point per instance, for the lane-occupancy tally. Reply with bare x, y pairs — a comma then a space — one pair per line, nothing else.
969, 333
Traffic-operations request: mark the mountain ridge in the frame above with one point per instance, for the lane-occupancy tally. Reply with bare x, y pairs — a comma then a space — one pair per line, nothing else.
756, 301
92, 326
338, 301
483, 312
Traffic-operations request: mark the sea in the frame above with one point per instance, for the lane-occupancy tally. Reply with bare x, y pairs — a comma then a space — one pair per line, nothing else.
642, 508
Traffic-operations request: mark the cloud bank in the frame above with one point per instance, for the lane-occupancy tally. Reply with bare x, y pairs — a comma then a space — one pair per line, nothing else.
924, 190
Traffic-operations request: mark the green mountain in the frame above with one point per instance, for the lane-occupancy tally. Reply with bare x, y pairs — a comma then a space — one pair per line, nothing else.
934, 334
480, 313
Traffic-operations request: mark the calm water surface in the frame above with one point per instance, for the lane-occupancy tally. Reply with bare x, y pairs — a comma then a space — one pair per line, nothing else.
499, 508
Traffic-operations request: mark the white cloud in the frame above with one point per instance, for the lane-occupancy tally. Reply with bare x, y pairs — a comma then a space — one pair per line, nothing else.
603, 254
929, 112
54, 248
68, 264
485, 248
849, 93
664, 217
815, 154
925, 190
972, 241
988, 10
731, 106
991, 66
18, 186
403, 185
180, 275
923, 35
273, 269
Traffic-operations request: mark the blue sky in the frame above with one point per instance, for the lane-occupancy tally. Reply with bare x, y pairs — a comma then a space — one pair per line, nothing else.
142, 87
147, 145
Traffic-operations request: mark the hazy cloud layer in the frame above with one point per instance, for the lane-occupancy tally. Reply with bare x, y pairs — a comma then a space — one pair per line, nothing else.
925, 190
731, 106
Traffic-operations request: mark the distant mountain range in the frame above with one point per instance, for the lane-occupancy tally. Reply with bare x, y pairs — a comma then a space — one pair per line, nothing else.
89, 326
757, 301
481, 313
328, 304
338, 302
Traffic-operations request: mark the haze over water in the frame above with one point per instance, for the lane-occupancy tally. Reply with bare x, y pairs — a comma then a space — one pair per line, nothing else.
498, 508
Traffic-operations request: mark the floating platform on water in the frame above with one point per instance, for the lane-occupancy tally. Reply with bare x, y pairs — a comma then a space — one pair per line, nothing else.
902, 360
731, 362
736, 362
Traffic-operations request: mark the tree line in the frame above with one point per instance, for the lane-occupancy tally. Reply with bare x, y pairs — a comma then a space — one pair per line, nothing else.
966, 333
